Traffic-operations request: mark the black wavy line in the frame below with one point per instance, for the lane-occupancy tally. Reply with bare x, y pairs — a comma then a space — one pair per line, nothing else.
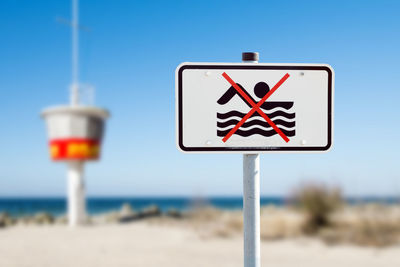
256, 131
278, 123
255, 114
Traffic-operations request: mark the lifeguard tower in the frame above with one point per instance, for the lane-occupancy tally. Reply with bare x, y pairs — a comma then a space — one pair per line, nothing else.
75, 133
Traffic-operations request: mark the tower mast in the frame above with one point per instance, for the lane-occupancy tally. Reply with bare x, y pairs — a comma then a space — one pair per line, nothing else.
74, 98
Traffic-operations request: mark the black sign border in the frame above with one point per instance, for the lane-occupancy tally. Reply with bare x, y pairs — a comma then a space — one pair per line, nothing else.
252, 149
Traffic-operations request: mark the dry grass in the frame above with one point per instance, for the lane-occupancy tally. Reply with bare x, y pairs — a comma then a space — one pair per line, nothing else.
319, 210
368, 225
365, 225
318, 202
228, 224
277, 223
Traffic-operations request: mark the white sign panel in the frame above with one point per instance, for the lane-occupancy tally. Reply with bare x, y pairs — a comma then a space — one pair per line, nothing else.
250, 107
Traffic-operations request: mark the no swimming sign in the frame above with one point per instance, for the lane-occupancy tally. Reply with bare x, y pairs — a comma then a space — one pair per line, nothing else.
249, 107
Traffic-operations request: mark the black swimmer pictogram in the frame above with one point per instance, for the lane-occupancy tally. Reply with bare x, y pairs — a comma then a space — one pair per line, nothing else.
280, 112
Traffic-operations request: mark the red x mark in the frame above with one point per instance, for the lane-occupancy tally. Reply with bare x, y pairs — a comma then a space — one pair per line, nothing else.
256, 107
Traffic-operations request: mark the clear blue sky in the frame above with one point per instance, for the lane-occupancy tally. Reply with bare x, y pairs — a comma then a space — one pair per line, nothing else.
130, 55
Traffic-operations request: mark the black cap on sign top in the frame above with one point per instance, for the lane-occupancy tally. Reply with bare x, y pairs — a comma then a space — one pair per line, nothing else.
249, 56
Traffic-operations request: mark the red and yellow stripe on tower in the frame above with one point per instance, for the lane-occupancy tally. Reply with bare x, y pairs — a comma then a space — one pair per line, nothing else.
74, 149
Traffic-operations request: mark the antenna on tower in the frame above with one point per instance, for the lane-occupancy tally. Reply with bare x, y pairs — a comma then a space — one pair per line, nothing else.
78, 92
74, 98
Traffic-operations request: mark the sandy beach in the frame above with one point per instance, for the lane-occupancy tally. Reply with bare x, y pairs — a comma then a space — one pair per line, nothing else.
148, 244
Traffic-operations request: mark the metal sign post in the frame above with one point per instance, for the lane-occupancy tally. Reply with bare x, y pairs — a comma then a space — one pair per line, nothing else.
251, 198
251, 209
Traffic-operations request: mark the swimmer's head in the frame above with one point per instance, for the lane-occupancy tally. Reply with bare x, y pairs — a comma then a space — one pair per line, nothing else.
261, 89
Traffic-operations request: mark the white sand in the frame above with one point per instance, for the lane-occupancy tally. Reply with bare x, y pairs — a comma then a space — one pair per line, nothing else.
141, 244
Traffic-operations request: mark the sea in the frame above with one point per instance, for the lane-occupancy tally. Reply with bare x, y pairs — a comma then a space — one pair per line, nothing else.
18, 207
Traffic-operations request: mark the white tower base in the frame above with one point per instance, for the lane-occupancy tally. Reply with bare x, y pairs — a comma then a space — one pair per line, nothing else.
76, 194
